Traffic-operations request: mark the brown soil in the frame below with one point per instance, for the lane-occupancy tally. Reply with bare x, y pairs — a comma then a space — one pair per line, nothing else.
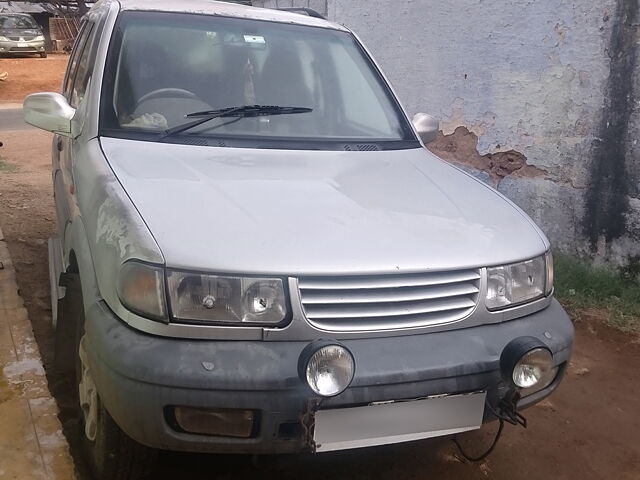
30, 75
589, 428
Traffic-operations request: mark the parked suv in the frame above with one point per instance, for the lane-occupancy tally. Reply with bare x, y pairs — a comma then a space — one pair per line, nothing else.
257, 254
20, 34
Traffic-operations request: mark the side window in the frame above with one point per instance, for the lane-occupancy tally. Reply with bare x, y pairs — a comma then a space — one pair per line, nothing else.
79, 60
78, 46
86, 63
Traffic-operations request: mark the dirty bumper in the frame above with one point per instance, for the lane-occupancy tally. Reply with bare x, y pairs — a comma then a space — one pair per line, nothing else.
444, 375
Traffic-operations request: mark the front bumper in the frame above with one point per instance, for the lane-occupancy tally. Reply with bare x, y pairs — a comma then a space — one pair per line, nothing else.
16, 47
139, 376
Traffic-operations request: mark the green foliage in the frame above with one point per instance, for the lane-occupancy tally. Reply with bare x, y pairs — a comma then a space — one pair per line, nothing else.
6, 166
580, 285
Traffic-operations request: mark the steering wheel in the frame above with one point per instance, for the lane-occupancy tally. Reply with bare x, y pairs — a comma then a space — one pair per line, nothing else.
167, 92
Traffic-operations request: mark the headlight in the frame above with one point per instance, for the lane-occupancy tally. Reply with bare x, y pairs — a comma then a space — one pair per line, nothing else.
548, 259
526, 361
221, 299
327, 368
518, 283
39, 38
140, 288
3, 39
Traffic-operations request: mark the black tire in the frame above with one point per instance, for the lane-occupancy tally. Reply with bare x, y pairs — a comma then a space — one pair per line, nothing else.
112, 455
70, 313
43, 55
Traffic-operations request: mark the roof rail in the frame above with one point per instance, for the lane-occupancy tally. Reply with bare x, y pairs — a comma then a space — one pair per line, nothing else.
304, 11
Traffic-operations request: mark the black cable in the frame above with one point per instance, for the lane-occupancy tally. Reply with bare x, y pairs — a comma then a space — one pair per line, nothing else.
501, 419
485, 454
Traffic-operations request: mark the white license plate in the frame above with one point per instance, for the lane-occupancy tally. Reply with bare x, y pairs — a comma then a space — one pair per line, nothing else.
385, 423
22, 45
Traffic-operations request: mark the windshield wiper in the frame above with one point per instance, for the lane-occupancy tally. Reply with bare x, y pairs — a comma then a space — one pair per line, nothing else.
241, 112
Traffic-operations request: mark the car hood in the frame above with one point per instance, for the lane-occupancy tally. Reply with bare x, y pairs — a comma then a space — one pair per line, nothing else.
309, 212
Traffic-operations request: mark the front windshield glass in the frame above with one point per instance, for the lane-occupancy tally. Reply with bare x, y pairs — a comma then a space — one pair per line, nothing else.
17, 21
163, 66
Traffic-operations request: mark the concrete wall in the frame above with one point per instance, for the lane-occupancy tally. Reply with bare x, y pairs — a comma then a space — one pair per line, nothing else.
538, 98
319, 6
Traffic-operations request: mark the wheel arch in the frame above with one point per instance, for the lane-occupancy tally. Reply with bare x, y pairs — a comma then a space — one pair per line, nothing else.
80, 262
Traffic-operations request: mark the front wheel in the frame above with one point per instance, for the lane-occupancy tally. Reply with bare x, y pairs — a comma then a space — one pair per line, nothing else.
110, 453
43, 55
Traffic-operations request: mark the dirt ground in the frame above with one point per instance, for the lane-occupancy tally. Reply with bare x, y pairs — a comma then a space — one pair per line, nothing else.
589, 428
22, 81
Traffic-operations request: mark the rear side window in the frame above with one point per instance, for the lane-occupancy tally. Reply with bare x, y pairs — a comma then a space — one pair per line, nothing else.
86, 62
72, 68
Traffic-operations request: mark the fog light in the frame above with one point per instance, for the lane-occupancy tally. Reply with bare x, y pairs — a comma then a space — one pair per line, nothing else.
526, 361
532, 368
216, 422
326, 367
544, 382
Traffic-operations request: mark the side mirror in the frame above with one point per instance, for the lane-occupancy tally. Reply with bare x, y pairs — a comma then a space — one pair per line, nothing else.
426, 126
49, 111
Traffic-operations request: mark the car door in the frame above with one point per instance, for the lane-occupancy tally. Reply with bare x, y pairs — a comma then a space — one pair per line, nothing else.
76, 84
61, 161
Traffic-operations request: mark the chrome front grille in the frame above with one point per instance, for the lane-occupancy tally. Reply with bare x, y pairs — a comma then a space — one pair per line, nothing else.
385, 302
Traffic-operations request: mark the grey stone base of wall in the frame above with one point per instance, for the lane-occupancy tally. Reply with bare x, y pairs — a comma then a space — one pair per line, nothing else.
559, 209
319, 6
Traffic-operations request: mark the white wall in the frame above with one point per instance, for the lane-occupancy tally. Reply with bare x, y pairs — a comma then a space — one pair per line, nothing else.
530, 76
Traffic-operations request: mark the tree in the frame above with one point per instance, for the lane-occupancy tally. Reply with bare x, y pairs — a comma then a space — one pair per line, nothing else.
82, 7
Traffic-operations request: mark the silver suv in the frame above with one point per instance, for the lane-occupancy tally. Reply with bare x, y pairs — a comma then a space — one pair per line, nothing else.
257, 254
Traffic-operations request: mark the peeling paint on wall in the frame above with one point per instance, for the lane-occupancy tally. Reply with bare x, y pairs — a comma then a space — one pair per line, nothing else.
460, 148
479, 127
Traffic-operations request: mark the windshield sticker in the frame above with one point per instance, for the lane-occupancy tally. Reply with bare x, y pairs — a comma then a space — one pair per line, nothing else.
254, 39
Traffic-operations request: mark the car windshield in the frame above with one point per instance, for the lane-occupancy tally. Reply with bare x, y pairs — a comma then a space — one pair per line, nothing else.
164, 66
17, 21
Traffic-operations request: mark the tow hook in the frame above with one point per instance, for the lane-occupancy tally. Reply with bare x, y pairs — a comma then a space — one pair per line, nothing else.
508, 409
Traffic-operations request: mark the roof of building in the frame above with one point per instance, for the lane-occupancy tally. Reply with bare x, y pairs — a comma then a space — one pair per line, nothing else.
21, 7
226, 9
